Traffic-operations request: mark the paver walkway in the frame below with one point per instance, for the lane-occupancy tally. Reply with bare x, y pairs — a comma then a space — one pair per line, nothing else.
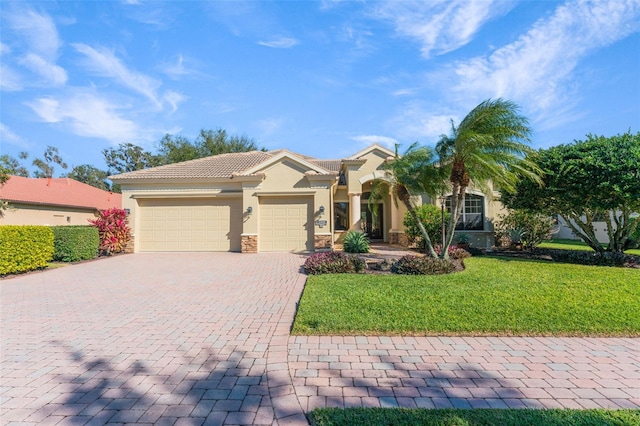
204, 338
465, 372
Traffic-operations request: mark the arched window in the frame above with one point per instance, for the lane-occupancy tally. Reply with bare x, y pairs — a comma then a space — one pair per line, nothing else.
472, 216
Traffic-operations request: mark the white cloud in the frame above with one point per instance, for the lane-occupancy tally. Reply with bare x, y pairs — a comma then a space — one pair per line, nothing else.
39, 53
4, 48
7, 135
173, 99
424, 123
10, 80
280, 42
404, 92
178, 69
49, 71
104, 62
87, 115
440, 26
270, 125
536, 70
38, 29
367, 140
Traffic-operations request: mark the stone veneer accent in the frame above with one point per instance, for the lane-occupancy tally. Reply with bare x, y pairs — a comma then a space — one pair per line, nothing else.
130, 246
398, 238
249, 244
322, 242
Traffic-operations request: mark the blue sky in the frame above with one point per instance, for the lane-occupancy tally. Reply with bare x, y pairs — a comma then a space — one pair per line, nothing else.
320, 78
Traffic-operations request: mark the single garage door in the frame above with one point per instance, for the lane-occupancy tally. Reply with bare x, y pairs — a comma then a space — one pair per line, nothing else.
207, 224
286, 224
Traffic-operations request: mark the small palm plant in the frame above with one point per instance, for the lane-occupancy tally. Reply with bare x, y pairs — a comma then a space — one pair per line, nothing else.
356, 242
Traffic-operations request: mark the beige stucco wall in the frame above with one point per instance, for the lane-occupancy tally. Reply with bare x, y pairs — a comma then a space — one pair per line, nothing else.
286, 178
133, 192
32, 214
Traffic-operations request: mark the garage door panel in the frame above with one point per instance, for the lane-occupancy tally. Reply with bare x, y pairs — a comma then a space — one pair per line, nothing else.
286, 224
190, 225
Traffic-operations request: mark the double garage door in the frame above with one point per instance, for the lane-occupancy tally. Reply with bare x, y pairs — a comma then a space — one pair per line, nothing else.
208, 224
215, 224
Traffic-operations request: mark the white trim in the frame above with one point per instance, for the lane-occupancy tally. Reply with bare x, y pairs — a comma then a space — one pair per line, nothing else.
281, 156
377, 174
188, 195
283, 193
372, 148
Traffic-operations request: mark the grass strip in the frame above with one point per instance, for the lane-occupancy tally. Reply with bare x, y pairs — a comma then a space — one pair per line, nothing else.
493, 296
564, 244
478, 417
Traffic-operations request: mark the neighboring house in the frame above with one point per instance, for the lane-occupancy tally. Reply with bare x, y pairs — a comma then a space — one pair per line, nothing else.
53, 201
264, 201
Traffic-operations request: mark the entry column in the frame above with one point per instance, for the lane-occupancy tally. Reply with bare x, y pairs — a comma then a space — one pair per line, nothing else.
354, 201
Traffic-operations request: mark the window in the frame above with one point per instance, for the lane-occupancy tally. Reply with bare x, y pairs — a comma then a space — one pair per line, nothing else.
341, 216
472, 216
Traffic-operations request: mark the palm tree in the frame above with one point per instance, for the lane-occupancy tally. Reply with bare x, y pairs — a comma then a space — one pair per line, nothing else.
490, 144
415, 172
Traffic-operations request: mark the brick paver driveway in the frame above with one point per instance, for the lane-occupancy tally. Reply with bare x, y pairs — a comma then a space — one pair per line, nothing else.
204, 338
152, 338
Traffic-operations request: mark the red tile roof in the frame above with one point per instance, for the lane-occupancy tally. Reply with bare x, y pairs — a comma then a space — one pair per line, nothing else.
58, 192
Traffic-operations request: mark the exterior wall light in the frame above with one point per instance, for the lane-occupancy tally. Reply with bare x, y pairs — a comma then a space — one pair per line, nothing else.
321, 209
249, 210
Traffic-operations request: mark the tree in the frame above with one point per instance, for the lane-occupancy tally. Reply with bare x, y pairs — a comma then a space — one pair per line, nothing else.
128, 158
214, 142
174, 149
489, 145
45, 166
90, 175
12, 166
414, 172
598, 178
4, 177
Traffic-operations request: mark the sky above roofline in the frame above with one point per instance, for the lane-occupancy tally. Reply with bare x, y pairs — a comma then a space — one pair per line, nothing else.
323, 79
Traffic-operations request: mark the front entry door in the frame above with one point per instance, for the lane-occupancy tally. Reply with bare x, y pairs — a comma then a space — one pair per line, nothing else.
372, 223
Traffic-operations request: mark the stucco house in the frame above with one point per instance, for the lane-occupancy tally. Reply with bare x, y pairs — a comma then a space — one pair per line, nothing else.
53, 201
266, 201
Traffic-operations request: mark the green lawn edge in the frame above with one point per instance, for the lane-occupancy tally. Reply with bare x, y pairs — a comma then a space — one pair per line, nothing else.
477, 417
565, 244
492, 297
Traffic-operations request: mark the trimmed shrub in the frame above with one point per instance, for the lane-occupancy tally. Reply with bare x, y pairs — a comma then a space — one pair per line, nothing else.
455, 252
431, 218
74, 243
113, 230
356, 242
634, 239
526, 227
418, 265
333, 262
606, 258
25, 248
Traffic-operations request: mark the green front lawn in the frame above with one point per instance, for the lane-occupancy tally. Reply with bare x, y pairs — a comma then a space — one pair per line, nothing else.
481, 417
493, 296
576, 245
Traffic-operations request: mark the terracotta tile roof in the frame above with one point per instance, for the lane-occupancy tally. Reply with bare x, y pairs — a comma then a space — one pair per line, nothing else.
59, 192
217, 166
330, 165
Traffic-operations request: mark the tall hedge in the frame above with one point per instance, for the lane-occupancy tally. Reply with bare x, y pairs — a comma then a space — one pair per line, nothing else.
24, 248
74, 243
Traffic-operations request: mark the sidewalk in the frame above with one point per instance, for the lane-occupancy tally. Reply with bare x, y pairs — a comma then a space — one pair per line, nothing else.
465, 372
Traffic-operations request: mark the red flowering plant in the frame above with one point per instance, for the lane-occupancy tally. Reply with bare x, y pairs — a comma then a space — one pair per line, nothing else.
113, 229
